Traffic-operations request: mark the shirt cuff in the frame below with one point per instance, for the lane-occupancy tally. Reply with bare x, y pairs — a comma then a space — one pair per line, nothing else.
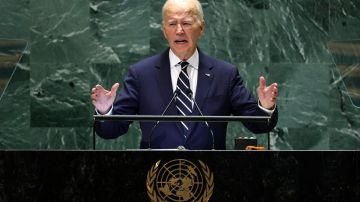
269, 111
109, 112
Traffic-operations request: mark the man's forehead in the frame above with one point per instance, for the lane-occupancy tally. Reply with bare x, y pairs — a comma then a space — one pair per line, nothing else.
180, 12
188, 14
184, 18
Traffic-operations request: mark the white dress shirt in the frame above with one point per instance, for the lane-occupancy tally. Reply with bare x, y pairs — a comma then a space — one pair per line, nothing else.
192, 70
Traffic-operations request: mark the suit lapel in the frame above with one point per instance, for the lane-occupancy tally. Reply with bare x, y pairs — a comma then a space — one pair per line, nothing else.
205, 77
165, 85
163, 77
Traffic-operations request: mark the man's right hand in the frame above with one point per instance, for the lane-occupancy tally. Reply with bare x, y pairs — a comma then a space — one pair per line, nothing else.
103, 99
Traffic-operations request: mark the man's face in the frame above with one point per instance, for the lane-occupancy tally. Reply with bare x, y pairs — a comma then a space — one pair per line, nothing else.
181, 28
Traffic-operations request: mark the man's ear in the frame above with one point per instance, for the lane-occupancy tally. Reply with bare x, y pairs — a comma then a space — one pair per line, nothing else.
202, 27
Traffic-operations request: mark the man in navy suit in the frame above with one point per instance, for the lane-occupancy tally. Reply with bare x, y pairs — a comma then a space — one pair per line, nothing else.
215, 85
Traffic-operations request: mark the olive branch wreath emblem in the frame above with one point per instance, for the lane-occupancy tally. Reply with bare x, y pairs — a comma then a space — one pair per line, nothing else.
151, 176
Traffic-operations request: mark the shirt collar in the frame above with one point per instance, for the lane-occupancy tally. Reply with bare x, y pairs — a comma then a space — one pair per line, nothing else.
193, 60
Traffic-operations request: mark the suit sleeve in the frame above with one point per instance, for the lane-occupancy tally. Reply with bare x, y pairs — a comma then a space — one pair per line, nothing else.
243, 103
126, 103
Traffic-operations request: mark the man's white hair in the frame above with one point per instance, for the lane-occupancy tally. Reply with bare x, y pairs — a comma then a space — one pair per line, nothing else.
199, 11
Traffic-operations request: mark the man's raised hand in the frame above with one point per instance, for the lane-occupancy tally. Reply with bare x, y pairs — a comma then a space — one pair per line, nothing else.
103, 99
267, 94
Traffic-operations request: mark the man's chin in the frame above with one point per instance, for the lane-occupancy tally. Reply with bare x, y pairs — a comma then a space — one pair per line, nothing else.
181, 53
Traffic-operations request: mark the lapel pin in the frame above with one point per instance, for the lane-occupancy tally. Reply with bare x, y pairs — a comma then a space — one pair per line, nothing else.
208, 75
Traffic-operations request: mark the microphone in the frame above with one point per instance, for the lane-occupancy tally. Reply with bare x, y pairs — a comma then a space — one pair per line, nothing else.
176, 93
190, 93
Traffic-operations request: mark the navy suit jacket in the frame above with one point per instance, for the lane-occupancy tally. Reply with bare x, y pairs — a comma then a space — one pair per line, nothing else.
147, 90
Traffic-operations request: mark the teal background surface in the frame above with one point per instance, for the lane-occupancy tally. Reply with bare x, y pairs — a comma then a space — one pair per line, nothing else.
66, 47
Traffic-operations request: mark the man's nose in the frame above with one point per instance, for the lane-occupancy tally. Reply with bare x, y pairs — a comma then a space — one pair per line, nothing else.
179, 29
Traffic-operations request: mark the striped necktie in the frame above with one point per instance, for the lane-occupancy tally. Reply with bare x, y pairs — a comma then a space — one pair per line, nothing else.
183, 101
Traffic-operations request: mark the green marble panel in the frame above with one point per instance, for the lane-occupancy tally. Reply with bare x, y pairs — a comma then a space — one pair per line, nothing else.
344, 119
107, 74
346, 57
303, 94
344, 19
14, 104
60, 95
29, 138
15, 128
14, 109
235, 31
298, 31
121, 27
157, 41
307, 138
344, 116
15, 19
60, 31
344, 138
345, 112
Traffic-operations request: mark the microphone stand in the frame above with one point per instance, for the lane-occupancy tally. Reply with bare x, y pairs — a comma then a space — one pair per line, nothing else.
176, 92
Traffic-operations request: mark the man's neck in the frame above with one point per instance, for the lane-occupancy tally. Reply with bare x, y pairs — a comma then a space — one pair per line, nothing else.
193, 59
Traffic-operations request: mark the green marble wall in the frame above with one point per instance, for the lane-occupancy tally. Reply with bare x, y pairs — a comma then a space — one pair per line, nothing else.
73, 45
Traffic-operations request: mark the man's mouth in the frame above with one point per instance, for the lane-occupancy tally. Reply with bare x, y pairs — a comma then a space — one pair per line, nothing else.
181, 41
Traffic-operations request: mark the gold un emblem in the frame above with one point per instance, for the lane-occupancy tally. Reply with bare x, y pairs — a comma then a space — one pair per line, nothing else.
179, 180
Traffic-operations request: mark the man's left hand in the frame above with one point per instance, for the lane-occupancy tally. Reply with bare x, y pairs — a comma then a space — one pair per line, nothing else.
267, 94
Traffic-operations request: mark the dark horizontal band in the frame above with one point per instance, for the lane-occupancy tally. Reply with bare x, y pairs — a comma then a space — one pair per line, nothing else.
261, 119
